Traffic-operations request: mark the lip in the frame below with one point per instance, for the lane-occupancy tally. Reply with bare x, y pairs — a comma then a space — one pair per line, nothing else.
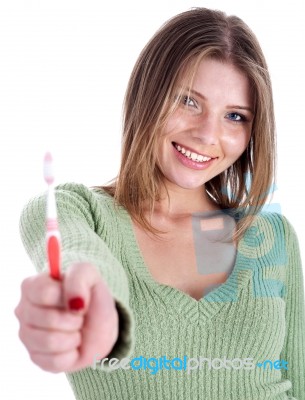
199, 166
192, 150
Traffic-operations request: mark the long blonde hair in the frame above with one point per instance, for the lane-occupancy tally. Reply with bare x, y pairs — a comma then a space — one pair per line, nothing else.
179, 45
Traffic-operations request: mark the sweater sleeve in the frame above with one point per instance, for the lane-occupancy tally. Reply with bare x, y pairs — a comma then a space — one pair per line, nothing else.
84, 223
294, 345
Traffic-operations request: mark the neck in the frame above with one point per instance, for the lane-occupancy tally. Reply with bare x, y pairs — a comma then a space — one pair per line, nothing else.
183, 202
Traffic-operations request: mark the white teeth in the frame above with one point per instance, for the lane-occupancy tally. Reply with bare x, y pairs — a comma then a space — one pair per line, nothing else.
191, 155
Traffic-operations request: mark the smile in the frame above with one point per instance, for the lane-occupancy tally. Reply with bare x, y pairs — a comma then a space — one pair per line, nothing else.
191, 155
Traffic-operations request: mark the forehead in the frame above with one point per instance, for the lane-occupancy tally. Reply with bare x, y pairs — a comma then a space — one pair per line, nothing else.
216, 78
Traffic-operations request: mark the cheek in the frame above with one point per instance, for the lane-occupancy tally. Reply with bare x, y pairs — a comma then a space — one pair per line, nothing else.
234, 145
176, 122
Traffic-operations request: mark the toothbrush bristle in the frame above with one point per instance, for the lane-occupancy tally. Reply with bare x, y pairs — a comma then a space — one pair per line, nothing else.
48, 168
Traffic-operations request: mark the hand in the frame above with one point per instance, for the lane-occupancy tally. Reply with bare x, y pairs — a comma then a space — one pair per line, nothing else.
57, 338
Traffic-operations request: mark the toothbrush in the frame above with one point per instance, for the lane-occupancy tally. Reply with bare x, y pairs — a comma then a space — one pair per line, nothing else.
52, 232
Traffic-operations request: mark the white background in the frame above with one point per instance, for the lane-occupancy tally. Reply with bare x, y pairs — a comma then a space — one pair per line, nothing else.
64, 66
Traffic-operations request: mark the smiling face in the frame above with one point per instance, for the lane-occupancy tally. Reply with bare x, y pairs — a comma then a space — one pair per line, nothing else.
210, 129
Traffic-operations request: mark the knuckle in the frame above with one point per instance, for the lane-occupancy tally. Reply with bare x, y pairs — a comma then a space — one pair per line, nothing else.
50, 319
48, 294
34, 358
43, 361
26, 284
21, 334
47, 362
55, 366
51, 341
45, 295
39, 289
17, 312
56, 363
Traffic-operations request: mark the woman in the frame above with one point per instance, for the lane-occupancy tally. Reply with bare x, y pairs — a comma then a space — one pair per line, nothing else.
175, 284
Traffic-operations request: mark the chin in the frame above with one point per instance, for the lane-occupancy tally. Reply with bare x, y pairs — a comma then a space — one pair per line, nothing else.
187, 184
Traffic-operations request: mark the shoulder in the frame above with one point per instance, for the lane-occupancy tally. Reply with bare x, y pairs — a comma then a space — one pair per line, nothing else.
91, 201
273, 232
274, 223
72, 199
78, 194
271, 245
81, 191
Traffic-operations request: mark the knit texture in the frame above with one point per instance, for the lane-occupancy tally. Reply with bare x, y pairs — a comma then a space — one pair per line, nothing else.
257, 314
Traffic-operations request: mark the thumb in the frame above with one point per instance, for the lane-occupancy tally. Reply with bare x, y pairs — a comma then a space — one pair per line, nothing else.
86, 292
78, 282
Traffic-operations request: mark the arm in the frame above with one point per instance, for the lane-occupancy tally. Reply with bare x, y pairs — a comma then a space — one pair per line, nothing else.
83, 219
294, 345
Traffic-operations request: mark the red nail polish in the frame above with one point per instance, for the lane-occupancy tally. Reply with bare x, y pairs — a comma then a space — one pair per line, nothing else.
76, 303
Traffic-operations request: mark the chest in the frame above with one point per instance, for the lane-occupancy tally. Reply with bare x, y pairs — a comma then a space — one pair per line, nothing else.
186, 259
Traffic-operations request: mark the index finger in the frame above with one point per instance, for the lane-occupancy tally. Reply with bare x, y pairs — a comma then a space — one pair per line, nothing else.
42, 290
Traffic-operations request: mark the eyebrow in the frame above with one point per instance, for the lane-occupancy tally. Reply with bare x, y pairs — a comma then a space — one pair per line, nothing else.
242, 108
230, 106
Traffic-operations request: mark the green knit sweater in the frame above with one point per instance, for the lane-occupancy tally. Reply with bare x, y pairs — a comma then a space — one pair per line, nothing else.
170, 345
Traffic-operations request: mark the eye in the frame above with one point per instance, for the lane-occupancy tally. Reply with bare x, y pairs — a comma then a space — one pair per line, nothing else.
188, 101
236, 117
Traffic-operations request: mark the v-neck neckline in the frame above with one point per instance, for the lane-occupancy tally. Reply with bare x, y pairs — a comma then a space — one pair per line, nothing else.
182, 302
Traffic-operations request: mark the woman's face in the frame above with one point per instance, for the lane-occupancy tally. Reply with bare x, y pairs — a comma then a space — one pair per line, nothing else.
211, 127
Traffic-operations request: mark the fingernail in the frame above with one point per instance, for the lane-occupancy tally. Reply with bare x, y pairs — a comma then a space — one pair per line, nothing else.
76, 303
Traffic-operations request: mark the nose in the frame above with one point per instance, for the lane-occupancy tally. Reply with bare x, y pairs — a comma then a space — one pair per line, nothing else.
208, 130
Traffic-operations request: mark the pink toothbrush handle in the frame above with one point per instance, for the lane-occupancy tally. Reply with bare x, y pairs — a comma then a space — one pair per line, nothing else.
53, 248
